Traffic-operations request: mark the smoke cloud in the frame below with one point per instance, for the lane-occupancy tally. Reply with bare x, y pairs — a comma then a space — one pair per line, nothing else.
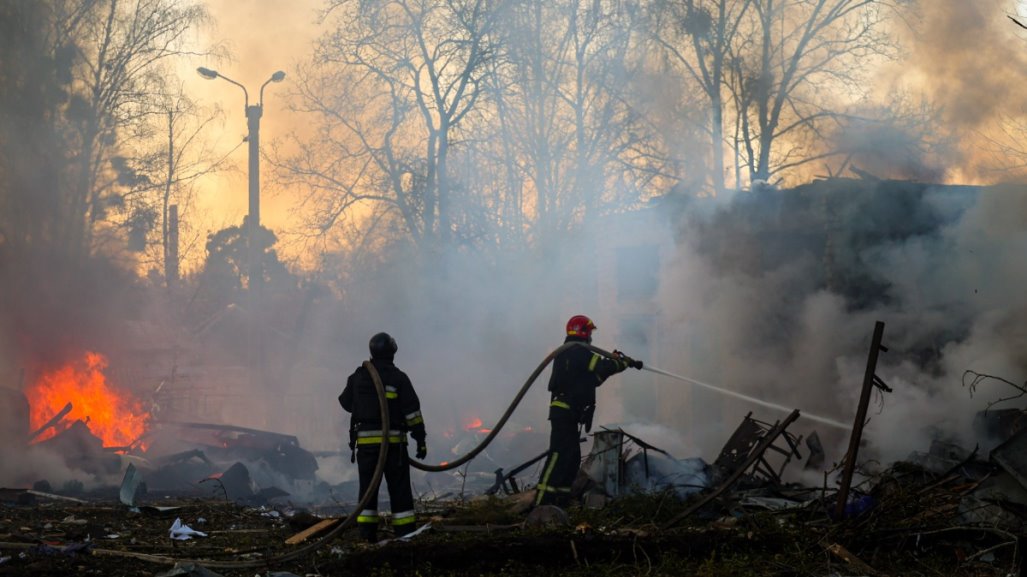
961, 61
946, 294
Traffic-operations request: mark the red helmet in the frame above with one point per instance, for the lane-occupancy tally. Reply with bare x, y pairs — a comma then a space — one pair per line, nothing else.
580, 326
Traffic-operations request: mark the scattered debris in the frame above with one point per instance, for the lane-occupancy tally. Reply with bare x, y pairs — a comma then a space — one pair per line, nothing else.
188, 570
54, 496
54, 421
235, 484
1011, 455
754, 454
309, 532
129, 486
746, 448
507, 482
181, 532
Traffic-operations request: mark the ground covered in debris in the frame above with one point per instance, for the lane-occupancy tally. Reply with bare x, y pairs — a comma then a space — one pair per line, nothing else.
909, 521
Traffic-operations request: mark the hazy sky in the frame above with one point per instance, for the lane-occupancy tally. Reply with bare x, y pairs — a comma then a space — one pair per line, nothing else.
977, 90
262, 36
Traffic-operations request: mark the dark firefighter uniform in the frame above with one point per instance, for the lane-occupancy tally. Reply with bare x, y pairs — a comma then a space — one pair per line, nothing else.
577, 372
361, 399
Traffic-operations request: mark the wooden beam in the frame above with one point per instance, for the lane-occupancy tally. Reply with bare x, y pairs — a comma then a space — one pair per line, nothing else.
309, 532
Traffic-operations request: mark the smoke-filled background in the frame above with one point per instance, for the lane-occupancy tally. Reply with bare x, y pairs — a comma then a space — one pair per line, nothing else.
468, 175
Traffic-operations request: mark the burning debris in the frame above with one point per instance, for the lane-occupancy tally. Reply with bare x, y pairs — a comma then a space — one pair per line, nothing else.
964, 520
115, 416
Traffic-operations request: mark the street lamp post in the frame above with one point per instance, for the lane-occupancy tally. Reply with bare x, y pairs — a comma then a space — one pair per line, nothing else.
253, 114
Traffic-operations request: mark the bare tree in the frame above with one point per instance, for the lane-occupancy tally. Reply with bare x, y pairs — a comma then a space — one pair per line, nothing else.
568, 125
118, 45
697, 38
160, 161
789, 72
393, 82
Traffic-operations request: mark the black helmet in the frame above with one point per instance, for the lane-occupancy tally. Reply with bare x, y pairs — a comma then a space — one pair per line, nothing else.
382, 346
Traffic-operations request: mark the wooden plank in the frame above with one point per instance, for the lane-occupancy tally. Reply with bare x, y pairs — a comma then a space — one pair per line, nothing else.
311, 531
56, 497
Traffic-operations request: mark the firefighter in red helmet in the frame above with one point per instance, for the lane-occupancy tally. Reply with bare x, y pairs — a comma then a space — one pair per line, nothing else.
361, 399
577, 371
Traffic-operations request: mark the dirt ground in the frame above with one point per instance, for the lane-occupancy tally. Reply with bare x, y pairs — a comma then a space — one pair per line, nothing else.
50, 537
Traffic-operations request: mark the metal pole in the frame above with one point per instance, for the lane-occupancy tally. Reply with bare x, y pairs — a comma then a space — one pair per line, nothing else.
861, 417
171, 257
253, 114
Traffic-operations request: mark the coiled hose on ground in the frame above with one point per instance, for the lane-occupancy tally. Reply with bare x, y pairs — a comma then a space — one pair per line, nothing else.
376, 479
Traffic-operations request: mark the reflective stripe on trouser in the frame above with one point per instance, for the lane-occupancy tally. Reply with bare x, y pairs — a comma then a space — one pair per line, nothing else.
368, 516
403, 523
396, 476
563, 462
403, 518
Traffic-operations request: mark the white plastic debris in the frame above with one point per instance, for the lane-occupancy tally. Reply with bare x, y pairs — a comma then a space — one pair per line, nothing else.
182, 532
410, 536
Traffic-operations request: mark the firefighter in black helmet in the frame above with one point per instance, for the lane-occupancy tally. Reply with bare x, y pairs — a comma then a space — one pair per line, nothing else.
577, 372
361, 399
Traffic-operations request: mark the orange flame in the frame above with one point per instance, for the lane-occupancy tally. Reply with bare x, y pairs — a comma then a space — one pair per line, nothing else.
113, 415
475, 423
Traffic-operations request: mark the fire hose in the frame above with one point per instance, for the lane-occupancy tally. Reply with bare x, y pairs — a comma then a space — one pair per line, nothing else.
376, 479
509, 410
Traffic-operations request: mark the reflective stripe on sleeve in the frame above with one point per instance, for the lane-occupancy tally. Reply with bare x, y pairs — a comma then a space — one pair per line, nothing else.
592, 363
414, 418
560, 404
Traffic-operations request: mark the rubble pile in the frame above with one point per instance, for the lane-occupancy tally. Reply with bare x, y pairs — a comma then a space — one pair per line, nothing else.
946, 511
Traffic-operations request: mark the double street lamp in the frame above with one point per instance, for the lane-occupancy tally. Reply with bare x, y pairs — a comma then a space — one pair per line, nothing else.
253, 114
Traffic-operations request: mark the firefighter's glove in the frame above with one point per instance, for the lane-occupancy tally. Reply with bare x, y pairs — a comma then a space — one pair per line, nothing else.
628, 361
422, 451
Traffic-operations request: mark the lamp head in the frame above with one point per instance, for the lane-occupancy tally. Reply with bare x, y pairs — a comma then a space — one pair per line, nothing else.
277, 76
207, 73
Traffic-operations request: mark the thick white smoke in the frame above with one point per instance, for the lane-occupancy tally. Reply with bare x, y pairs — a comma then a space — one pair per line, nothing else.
949, 296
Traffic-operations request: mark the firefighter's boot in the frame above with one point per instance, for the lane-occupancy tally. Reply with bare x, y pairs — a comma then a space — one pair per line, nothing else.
369, 533
367, 522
